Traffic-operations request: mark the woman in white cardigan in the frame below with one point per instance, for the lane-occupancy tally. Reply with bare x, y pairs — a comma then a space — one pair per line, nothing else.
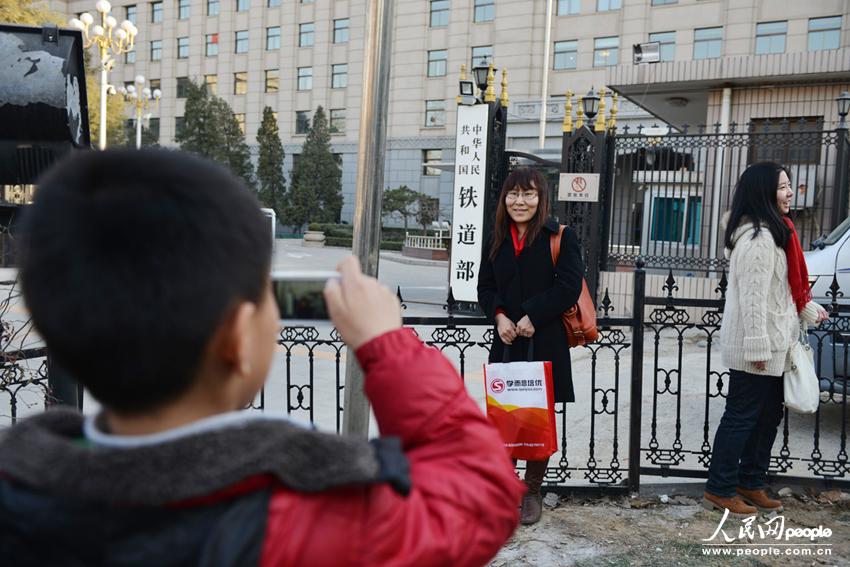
768, 295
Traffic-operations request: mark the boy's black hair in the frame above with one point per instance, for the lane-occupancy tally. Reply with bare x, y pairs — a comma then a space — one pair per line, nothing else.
130, 259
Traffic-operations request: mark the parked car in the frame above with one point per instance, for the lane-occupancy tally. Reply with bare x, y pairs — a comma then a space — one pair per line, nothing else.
830, 261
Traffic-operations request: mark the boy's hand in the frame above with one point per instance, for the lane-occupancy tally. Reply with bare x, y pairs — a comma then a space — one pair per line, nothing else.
359, 306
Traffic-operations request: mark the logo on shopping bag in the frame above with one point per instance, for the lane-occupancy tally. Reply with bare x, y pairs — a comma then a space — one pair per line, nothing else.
497, 386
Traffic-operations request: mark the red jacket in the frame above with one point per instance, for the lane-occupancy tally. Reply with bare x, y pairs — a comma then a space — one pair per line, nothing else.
463, 505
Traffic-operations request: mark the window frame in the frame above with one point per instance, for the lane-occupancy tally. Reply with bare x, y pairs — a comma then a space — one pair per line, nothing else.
157, 11
433, 113
434, 64
428, 171
483, 11
821, 32
572, 7
611, 50
240, 78
273, 80
274, 40
299, 131
332, 119
155, 46
439, 14
556, 53
306, 38
708, 43
305, 74
183, 49
770, 36
208, 52
237, 42
184, 9
339, 31
662, 44
335, 74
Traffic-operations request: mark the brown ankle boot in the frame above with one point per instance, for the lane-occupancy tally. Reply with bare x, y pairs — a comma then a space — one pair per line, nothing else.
737, 507
532, 508
760, 500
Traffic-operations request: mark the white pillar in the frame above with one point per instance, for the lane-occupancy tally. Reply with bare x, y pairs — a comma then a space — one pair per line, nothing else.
139, 129
544, 94
103, 89
717, 186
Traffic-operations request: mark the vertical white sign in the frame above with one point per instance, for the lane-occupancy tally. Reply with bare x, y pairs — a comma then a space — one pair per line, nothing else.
468, 208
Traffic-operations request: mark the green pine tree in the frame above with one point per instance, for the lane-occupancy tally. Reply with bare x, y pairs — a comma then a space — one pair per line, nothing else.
316, 192
399, 201
272, 182
212, 131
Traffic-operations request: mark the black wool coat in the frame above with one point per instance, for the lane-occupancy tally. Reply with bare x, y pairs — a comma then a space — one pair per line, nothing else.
529, 284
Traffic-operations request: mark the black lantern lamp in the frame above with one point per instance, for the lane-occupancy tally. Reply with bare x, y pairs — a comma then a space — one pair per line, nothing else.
590, 104
479, 72
843, 101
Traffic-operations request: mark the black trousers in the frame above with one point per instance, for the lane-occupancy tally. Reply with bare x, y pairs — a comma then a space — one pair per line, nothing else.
744, 439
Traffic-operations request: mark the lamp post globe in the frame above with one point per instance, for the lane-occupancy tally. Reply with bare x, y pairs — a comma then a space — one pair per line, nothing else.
590, 104
843, 102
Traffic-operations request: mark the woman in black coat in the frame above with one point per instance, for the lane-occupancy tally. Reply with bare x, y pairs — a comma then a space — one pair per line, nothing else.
524, 294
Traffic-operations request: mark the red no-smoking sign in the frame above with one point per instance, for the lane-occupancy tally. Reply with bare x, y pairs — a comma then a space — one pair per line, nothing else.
582, 187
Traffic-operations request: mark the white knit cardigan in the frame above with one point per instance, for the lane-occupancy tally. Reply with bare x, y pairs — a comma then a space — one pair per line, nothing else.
760, 321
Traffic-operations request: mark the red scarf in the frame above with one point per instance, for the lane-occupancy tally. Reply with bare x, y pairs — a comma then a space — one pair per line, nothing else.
798, 274
519, 243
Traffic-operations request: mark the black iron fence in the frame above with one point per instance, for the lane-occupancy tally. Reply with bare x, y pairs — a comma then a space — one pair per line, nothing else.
669, 189
649, 393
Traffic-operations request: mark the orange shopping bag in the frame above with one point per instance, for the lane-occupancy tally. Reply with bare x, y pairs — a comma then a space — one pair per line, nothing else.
521, 404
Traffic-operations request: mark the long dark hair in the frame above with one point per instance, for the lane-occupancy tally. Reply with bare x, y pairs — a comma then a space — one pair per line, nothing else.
521, 179
755, 200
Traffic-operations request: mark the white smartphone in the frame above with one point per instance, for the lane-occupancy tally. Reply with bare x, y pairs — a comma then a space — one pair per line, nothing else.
299, 295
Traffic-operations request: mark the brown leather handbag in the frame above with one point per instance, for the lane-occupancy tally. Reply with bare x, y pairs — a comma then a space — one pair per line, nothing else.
580, 319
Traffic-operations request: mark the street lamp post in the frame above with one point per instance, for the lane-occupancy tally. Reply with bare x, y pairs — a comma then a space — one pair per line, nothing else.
111, 40
142, 98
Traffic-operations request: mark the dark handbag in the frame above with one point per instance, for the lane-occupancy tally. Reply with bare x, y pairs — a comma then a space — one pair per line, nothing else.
580, 319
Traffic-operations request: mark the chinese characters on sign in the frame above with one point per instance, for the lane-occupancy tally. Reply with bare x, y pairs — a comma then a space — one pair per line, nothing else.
468, 205
582, 187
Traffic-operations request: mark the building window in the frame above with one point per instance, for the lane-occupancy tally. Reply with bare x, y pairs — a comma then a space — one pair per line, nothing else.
485, 11
212, 45
156, 50
272, 38
341, 30
212, 7
676, 219
183, 9
240, 121
273, 3
435, 113
663, 2
182, 48
707, 43
302, 124
183, 87
605, 51
339, 76
770, 37
153, 126
154, 84
566, 7
242, 5
439, 13
242, 42
429, 157
305, 78
240, 83
211, 82
156, 12
305, 34
130, 56
668, 44
482, 55
565, 54
130, 13
606, 5
272, 80
437, 61
179, 126
824, 33
337, 123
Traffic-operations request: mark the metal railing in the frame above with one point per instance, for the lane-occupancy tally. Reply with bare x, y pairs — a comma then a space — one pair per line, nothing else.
427, 242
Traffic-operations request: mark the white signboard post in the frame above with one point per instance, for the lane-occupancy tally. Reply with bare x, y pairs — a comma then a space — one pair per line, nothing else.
581, 187
468, 209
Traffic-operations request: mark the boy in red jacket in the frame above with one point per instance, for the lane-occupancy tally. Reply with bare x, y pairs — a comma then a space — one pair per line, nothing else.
147, 274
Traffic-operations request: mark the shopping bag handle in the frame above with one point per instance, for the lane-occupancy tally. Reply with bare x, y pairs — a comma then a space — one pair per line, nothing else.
530, 357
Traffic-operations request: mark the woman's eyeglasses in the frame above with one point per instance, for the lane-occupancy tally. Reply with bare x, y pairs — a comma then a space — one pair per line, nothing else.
513, 196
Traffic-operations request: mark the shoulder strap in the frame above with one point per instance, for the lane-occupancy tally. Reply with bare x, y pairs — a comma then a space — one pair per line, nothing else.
555, 244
